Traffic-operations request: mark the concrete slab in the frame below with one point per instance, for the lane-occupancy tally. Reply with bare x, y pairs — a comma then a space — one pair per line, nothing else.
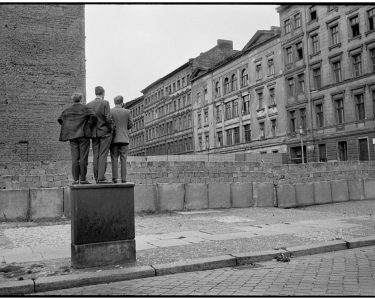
263, 193
142, 245
340, 190
286, 196
145, 197
219, 195
369, 189
169, 243
207, 211
242, 194
66, 201
17, 258
46, 203
196, 196
322, 192
14, 205
170, 196
356, 190
63, 252
305, 193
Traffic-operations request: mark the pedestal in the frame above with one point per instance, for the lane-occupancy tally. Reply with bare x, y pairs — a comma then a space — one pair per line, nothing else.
102, 224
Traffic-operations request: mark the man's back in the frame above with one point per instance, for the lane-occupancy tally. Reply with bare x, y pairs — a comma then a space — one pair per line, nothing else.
102, 111
122, 120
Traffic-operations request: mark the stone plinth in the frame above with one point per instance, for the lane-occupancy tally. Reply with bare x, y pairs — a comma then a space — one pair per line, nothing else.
102, 224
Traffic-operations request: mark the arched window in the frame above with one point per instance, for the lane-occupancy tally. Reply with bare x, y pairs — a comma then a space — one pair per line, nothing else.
244, 78
226, 85
234, 82
217, 89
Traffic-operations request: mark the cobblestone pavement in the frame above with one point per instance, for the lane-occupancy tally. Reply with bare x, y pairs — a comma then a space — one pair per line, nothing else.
44, 249
341, 273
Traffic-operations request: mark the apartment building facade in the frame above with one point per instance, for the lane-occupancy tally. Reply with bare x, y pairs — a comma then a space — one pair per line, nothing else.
236, 106
137, 133
329, 64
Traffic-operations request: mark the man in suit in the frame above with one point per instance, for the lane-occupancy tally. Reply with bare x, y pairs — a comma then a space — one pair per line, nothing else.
101, 134
120, 142
75, 123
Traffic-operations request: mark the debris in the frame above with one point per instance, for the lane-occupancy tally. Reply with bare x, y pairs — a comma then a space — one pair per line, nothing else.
282, 257
20, 278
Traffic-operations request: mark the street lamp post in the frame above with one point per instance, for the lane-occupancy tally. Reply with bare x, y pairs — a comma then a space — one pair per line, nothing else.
300, 134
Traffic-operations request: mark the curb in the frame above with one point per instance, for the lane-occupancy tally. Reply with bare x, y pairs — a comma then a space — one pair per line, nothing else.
76, 280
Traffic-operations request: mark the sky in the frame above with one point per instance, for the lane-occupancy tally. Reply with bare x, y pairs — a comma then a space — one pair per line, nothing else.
129, 47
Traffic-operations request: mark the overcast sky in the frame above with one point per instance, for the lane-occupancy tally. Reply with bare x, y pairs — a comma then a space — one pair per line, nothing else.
130, 46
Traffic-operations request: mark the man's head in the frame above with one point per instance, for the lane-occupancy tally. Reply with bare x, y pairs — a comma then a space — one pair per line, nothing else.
99, 91
77, 97
119, 100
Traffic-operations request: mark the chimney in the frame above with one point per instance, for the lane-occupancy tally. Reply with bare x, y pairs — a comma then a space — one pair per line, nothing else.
225, 44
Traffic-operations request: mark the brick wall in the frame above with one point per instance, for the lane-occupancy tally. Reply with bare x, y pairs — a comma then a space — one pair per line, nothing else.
42, 63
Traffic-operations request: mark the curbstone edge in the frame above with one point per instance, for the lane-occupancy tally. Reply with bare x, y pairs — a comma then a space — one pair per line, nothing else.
317, 248
360, 242
256, 256
15, 288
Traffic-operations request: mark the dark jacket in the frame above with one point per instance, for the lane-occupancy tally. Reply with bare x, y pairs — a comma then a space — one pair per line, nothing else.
103, 125
76, 121
123, 122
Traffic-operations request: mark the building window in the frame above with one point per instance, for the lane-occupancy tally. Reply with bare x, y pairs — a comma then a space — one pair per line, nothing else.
258, 71
363, 150
236, 133
292, 121
335, 39
343, 151
244, 77
247, 132
226, 85
246, 104
228, 111
299, 51
297, 21
235, 109
336, 67
319, 115
302, 116
301, 83
206, 117
354, 25
260, 100
206, 141
272, 99
229, 137
287, 26
315, 43
317, 81
322, 153
234, 83
359, 107
312, 11
189, 120
199, 121
183, 81
200, 142
262, 131
289, 55
357, 65
291, 87
218, 113
220, 139
339, 106
273, 127
217, 89
372, 58
271, 67
370, 17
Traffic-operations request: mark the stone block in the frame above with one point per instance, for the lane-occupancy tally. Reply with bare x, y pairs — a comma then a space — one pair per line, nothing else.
322, 192
196, 196
14, 204
46, 203
305, 193
219, 195
356, 190
263, 193
286, 196
340, 191
67, 206
369, 189
144, 197
242, 194
170, 196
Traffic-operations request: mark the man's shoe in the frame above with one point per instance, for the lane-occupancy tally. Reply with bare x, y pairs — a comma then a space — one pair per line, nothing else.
103, 181
75, 182
85, 182
114, 180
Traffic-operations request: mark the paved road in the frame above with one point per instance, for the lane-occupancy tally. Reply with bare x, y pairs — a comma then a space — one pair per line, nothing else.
341, 273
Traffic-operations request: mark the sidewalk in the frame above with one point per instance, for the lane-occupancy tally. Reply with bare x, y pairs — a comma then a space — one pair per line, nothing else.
32, 251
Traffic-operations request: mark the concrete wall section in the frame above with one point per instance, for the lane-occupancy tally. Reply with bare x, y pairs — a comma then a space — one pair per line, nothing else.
145, 197
322, 192
263, 193
219, 195
66, 202
286, 196
340, 190
196, 196
242, 194
356, 191
46, 203
170, 196
369, 189
14, 205
305, 193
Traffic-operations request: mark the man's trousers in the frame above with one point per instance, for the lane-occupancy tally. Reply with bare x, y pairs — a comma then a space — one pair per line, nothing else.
100, 149
80, 152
